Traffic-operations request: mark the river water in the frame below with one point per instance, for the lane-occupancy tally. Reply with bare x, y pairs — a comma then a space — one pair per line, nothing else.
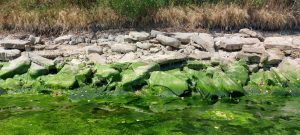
27, 114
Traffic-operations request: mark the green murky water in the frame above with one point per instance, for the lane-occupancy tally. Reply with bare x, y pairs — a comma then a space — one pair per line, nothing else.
23, 114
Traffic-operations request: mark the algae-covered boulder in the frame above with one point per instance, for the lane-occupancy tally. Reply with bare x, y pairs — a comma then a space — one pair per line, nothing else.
197, 65
47, 63
225, 83
15, 67
105, 74
238, 72
36, 70
83, 76
137, 74
168, 80
207, 88
65, 78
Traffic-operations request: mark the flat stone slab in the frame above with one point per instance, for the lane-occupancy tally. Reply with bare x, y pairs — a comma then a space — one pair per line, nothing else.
204, 41
15, 67
6, 55
168, 41
282, 43
63, 39
139, 36
165, 58
14, 44
236, 43
97, 59
123, 48
296, 41
47, 63
201, 55
184, 38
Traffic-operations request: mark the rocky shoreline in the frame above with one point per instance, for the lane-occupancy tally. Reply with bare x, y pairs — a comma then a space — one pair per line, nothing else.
180, 62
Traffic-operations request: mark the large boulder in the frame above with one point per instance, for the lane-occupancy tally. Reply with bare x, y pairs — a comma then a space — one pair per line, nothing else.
62, 39
154, 33
139, 36
6, 55
236, 43
137, 75
252, 33
282, 43
123, 48
275, 56
64, 79
204, 41
50, 54
36, 70
165, 58
96, 58
15, 67
252, 53
296, 41
144, 46
168, 41
14, 44
175, 83
93, 49
200, 55
129, 57
47, 63
184, 38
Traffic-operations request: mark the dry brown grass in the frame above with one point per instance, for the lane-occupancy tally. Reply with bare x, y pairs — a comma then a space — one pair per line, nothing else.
192, 17
226, 17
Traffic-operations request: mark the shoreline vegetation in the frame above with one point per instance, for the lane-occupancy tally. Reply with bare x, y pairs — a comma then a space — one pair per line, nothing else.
49, 16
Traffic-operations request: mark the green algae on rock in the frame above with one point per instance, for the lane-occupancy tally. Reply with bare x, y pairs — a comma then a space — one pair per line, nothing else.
65, 78
17, 66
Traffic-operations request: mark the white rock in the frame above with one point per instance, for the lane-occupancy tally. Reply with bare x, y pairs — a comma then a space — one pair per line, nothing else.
63, 39
168, 41
275, 56
6, 55
154, 33
14, 44
144, 46
236, 43
184, 38
129, 57
93, 49
296, 41
165, 58
252, 33
139, 36
200, 55
282, 43
204, 41
41, 60
123, 48
97, 59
